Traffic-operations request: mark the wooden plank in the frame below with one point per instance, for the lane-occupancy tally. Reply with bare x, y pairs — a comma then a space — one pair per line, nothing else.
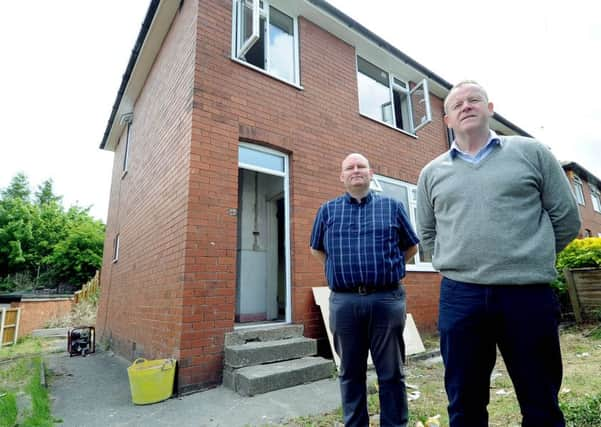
573, 294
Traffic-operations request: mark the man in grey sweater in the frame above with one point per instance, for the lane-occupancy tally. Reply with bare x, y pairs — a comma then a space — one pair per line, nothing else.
495, 210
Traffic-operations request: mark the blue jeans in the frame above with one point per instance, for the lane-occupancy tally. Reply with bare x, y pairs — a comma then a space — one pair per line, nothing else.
370, 322
522, 320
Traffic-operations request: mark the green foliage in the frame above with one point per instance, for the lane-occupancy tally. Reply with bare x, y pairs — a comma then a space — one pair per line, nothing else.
585, 412
41, 244
40, 411
580, 253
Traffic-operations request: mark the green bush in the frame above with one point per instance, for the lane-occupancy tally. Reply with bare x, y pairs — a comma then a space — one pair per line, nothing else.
580, 253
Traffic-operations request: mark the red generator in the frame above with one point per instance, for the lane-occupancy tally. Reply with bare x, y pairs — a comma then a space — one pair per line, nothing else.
81, 341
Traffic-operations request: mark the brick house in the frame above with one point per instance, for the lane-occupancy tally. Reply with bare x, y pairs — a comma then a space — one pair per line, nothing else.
228, 131
587, 190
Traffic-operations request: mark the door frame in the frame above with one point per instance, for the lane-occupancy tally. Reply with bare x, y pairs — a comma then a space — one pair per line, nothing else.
284, 173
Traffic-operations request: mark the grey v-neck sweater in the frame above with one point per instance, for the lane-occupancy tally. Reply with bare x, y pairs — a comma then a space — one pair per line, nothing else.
500, 221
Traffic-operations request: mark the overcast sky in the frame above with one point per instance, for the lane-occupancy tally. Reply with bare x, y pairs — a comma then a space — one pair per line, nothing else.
62, 63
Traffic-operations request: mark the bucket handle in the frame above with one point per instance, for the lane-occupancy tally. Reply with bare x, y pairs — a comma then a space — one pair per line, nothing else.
138, 360
169, 362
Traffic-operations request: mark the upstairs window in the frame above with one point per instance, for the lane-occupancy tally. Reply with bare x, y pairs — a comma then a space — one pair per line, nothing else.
266, 38
406, 194
389, 99
578, 189
596, 198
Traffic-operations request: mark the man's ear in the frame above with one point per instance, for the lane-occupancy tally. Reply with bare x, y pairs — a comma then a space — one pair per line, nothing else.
491, 109
445, 118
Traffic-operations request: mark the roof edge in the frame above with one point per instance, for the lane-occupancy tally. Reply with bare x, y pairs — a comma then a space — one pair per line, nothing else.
152, 8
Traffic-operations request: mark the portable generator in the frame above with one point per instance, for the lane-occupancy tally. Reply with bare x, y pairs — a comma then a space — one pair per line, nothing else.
81, 341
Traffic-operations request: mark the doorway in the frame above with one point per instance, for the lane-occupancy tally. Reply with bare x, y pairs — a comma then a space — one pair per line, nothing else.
262, 275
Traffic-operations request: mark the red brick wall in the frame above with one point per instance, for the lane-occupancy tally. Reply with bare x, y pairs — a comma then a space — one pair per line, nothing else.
36, 313
140, 310
591, 219
172, 292
317, 127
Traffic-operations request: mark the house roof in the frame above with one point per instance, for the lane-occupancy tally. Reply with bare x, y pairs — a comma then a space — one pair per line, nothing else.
156, 24
582, 173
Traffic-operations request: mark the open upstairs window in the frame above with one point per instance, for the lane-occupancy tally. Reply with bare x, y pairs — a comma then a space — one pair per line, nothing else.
391, 100
266, 38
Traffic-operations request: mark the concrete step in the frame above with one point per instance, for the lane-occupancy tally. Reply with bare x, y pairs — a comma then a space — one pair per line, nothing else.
260, 379
260, 352
268, 333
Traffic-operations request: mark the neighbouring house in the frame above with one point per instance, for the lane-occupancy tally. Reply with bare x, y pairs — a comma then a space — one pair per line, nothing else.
228, 131
587, 190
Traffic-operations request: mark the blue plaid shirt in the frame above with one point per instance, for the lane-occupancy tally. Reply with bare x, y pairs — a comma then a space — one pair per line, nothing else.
363, 241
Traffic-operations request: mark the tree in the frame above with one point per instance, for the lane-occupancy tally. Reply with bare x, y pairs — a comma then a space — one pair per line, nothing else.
45, 194
76, 258
43, 244
18, 188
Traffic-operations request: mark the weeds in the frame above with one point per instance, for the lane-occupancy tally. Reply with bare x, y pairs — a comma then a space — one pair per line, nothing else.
585, 412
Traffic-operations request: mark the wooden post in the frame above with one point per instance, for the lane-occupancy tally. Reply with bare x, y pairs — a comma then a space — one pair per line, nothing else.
573, 292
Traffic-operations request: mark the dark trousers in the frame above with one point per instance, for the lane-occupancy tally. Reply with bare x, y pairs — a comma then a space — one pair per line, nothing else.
522, 321
370, 322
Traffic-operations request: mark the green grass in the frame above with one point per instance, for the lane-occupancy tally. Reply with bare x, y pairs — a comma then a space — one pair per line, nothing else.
20, 375
580, 398
8, 409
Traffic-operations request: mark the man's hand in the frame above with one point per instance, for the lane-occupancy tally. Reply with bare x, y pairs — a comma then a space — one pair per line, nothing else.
410, 253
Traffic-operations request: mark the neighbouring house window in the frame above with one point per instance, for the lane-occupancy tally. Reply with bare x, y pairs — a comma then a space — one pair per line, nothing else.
116, 248
406, 194
388, 99
578, 190
596, 198
266, 38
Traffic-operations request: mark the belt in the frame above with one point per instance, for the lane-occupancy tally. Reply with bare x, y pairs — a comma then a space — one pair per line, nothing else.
368, 289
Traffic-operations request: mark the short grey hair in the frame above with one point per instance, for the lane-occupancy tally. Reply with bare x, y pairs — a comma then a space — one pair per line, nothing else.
464, 83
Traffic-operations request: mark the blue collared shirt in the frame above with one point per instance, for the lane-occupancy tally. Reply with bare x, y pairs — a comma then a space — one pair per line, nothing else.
493, 141
363, 241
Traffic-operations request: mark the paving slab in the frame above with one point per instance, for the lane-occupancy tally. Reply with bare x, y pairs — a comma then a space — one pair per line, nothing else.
94, 391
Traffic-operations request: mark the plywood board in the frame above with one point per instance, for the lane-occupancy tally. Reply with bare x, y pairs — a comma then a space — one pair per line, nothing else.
413, 341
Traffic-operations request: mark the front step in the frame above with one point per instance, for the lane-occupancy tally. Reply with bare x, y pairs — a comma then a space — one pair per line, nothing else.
259, 379
271, 333
256, 353
259, 360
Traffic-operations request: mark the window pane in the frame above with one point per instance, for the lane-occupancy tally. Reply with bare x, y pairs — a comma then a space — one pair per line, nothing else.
374, 92
261, 159
579, 193
246, 19
256, 54
397, 192
281, 44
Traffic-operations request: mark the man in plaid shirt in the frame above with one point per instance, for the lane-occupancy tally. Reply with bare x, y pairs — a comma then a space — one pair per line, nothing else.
364, 240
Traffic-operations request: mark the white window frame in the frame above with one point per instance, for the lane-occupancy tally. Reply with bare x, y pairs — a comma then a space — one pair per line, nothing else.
241, 47
393, 85
284, 173
578, 189
116, 244
411, 211
595, 198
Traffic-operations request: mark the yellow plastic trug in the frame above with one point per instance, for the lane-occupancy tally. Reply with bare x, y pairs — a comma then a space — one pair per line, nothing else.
151, 381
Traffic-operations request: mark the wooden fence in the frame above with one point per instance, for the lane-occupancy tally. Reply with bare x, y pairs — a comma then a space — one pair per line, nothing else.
584, 288
89, 289
9, 326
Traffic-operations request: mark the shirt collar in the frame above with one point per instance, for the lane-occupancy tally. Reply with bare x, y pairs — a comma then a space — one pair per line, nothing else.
493, 139
352, 200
